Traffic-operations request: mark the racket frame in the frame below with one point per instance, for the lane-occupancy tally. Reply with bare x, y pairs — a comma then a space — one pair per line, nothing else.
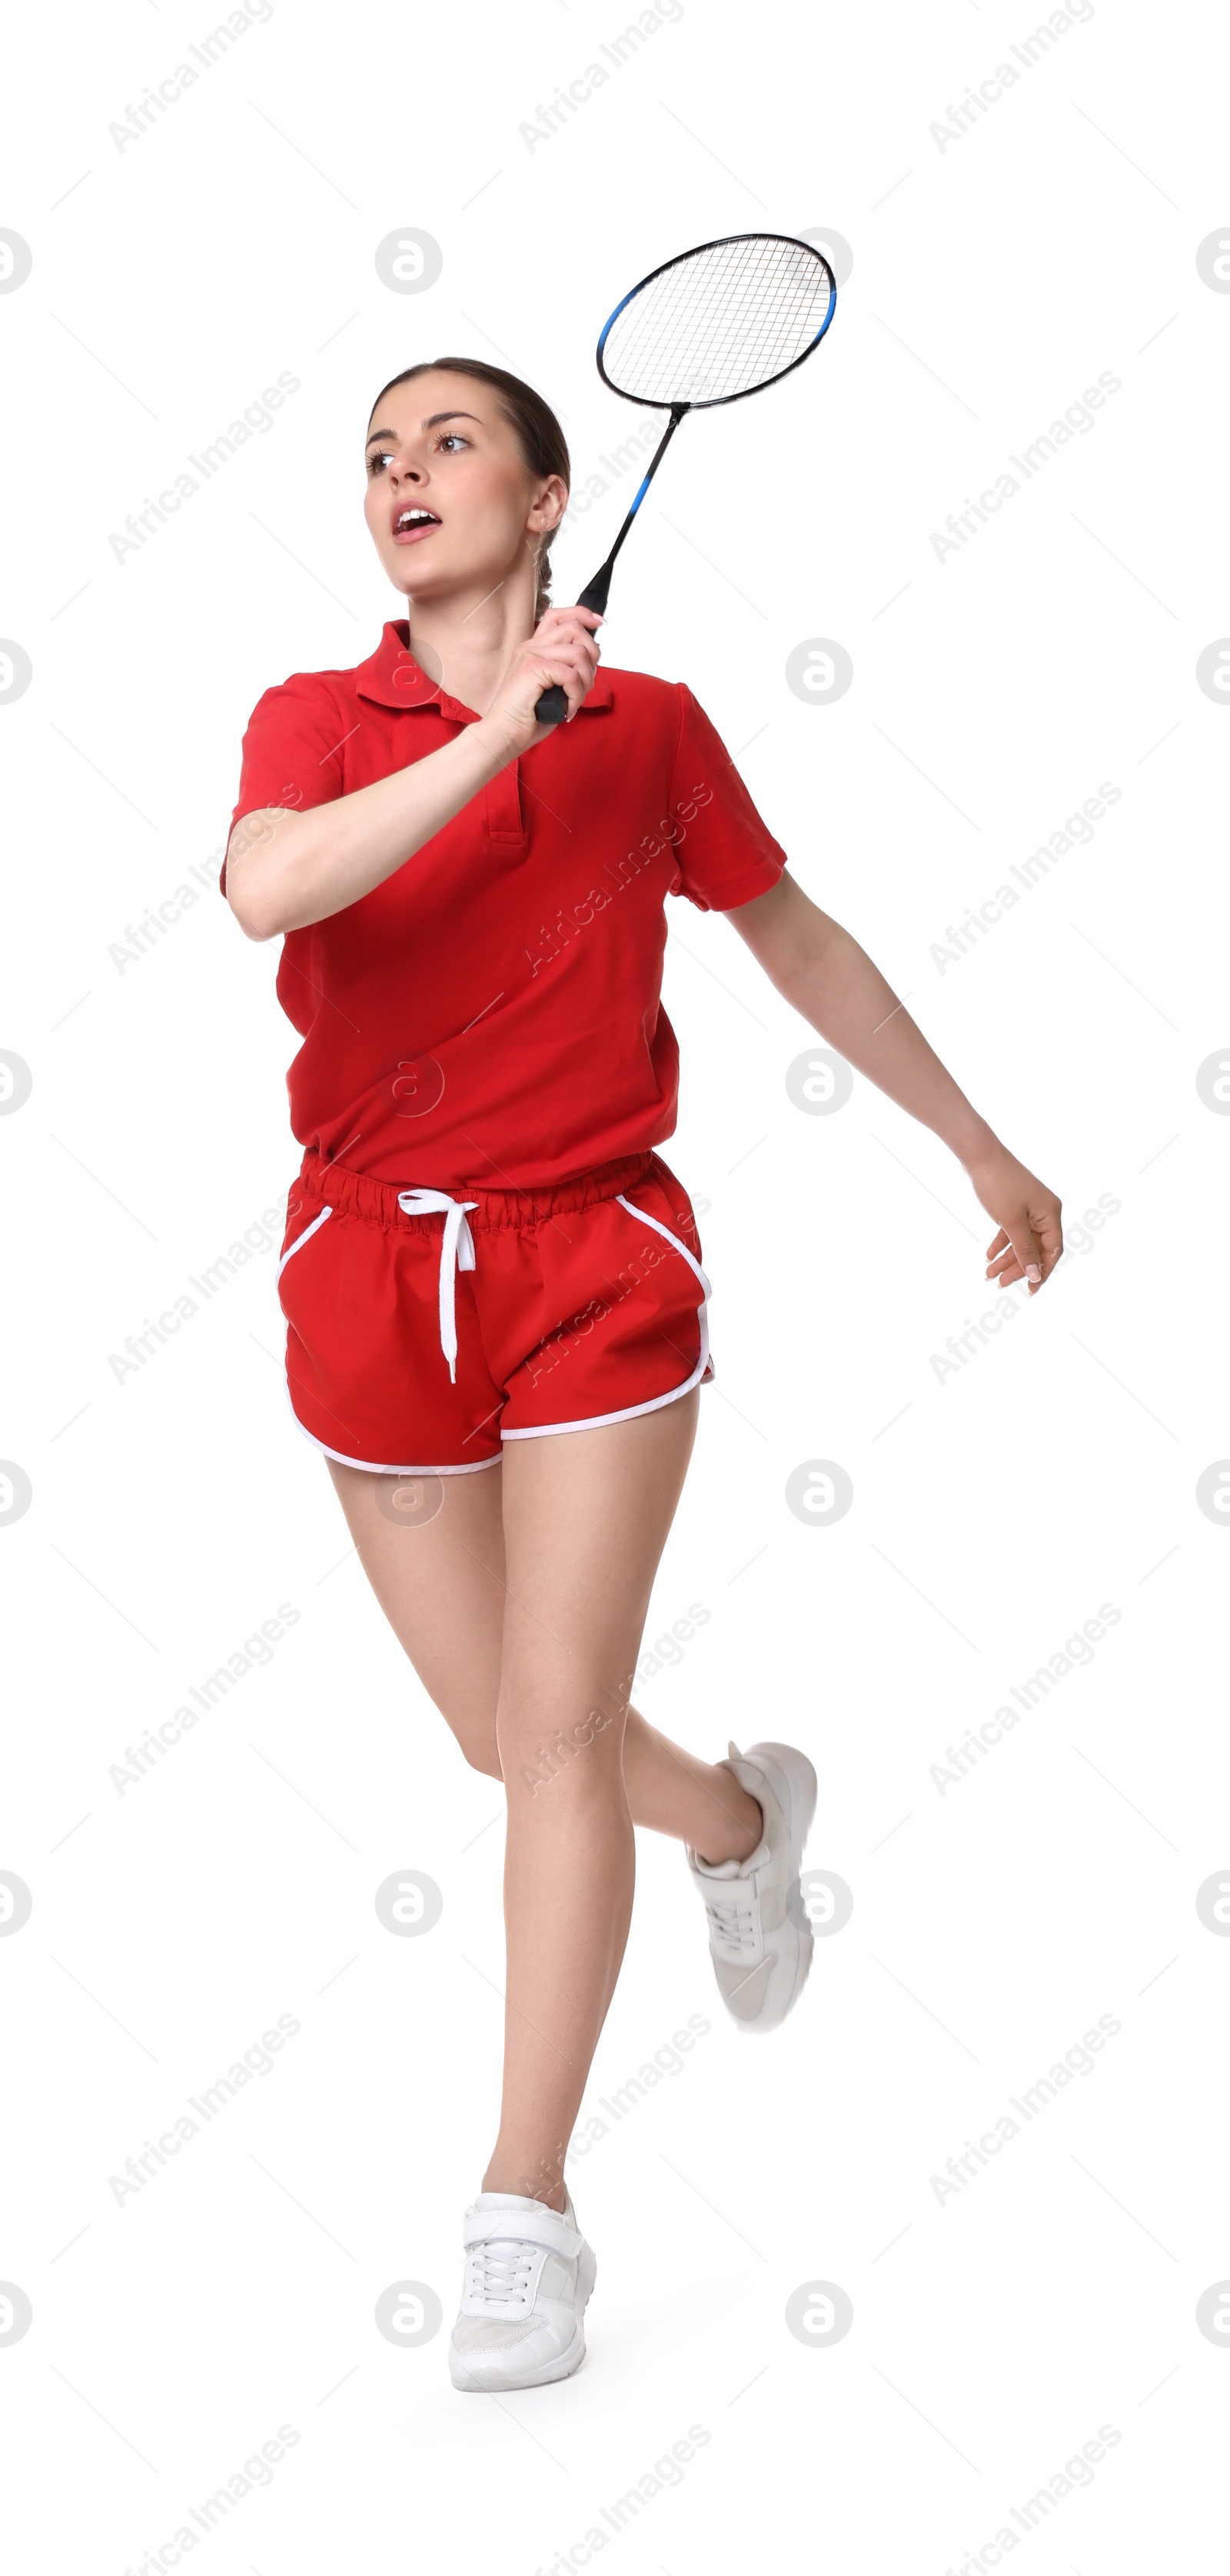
552, 706
712, 401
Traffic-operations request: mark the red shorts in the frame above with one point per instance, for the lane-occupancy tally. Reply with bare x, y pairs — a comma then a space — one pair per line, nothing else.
425, 1329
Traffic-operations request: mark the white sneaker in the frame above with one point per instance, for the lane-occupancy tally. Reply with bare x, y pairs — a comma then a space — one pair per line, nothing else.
759, 1931
528, 2276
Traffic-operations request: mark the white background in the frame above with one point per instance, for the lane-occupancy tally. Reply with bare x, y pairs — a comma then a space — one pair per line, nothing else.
995, 1509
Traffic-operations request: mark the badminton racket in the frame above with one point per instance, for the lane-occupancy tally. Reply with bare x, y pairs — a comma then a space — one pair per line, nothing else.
708, 327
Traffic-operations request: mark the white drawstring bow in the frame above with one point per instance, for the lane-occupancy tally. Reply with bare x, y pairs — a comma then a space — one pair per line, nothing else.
456, 1253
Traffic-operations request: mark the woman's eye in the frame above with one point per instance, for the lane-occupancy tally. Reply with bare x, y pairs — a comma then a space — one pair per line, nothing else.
379, 457
453, 438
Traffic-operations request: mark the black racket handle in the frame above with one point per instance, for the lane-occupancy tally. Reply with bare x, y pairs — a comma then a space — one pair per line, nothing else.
552, 706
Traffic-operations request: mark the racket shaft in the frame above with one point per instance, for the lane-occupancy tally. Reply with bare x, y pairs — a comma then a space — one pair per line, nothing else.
552, 706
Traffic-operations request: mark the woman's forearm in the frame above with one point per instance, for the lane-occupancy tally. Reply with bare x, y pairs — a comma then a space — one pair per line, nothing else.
841, 991
285, 870
823, 973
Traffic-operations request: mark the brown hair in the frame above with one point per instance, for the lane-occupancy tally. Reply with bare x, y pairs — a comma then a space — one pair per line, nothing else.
543, 445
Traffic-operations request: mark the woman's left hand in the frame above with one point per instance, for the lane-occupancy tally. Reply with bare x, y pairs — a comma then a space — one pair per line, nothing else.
1030, 1237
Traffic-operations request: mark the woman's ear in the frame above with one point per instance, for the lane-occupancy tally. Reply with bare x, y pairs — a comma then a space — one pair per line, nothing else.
549, 508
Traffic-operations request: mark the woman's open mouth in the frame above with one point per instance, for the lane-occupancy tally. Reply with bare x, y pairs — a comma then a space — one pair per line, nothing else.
411, 523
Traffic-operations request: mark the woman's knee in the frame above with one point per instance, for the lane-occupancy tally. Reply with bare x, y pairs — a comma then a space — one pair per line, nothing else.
586, 1751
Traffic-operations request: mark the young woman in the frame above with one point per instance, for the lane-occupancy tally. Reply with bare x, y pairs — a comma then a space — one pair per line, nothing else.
492, 1283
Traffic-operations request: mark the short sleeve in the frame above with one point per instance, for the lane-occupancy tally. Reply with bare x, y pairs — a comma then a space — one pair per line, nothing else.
292, 750
726, 854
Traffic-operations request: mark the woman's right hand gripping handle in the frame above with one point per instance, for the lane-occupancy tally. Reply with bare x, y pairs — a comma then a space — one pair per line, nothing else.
562, 652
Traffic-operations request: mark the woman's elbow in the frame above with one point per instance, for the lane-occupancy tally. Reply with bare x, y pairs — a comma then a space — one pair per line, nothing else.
249, 891
252, 908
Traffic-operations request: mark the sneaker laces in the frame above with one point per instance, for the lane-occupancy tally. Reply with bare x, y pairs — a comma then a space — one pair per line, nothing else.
500, 2268
732, 1919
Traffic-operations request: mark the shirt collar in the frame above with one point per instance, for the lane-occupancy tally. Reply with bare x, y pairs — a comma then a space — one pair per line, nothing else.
392, 677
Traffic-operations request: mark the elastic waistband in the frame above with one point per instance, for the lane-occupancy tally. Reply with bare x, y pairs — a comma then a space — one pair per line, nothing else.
355, 1193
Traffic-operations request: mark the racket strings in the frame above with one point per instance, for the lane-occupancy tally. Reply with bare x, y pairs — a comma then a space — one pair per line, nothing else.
718, 321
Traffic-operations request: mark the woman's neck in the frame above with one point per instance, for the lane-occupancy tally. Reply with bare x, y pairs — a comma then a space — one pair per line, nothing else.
465, 642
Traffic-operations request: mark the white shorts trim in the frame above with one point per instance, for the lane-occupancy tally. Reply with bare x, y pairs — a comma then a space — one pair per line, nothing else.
371, 1466
305, 1237
546, 1430
628, 1412
664, 1230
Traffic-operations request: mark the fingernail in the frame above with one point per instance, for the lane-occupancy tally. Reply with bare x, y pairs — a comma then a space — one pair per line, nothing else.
1032, 1271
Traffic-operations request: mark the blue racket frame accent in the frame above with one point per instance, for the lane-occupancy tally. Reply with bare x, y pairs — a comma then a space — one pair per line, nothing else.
714, 400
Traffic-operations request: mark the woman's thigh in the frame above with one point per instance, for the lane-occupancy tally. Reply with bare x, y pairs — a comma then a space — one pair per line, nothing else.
586, 1516
526, 1589
432, 1549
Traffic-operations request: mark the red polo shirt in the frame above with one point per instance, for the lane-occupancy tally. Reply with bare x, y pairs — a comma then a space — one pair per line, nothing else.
492, 1012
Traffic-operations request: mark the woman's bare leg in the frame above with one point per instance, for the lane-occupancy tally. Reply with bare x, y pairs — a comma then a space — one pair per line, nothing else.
432, 1548
441, 1585
521, 1603
586, 1515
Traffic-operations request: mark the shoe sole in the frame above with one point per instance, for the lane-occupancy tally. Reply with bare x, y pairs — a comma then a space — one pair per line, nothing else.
788, 1771
565, 2362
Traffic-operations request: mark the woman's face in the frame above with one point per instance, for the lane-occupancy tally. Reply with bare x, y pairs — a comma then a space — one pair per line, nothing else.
450, 501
